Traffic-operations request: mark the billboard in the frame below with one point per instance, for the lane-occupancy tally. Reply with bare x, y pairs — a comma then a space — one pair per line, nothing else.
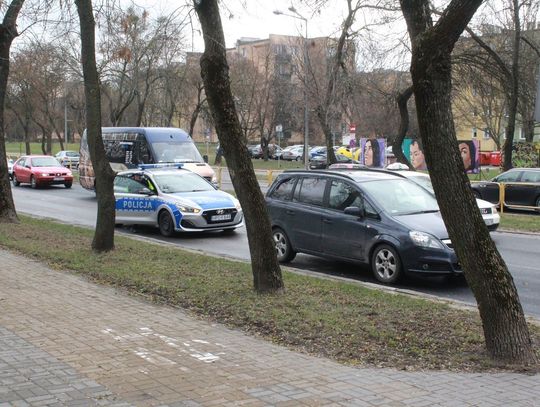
468, 149
372, 152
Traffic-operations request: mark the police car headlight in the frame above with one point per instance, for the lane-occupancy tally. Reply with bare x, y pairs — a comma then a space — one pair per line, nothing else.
237, 205
187, 209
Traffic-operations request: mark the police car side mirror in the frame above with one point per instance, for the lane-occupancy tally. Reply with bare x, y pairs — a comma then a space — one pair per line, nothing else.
146, 191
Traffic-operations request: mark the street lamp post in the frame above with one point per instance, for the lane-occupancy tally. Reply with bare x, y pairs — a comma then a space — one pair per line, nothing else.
299, 16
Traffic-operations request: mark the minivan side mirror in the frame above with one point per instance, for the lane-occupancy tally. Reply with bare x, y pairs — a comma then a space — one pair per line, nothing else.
355, 211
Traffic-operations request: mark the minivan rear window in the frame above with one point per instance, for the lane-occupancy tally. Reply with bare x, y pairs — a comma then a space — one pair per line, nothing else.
284, 190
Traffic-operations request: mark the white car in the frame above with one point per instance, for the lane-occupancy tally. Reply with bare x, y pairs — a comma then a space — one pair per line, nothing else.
487, 209
10, 168
293, 154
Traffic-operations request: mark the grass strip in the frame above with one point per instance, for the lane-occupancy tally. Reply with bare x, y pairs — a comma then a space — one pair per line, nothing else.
521, 223
343, 321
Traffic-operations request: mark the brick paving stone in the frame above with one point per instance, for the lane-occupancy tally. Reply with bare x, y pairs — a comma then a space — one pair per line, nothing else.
66, 341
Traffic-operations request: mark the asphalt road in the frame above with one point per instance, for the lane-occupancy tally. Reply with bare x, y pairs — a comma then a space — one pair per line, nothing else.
78, 206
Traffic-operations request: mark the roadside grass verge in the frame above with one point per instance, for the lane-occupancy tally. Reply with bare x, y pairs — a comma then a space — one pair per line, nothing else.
343, 321
520, 222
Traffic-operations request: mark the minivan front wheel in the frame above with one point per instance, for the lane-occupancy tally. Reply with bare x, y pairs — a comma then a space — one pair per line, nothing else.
386, 264
284, 250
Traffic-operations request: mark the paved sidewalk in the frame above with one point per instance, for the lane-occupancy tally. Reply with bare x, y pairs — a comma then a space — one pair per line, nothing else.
67, 342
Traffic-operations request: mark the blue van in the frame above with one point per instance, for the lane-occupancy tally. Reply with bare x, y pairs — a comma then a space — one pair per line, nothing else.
376, 218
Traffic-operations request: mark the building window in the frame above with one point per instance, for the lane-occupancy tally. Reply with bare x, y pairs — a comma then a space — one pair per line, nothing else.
521, 134
474, 133
487, 134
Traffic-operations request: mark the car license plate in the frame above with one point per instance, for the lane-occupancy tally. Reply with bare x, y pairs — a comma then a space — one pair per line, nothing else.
58, 178
216, 218
489, 221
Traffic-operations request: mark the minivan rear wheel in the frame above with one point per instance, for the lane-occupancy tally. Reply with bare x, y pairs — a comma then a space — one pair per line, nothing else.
284, 250
385, 264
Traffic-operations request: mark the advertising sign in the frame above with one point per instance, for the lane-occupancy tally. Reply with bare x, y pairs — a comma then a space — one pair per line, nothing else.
372, 152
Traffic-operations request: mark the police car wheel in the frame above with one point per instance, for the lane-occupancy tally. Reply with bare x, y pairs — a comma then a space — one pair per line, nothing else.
166, 225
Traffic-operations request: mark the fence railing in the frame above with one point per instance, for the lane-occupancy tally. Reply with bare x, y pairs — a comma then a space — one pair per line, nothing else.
266, 176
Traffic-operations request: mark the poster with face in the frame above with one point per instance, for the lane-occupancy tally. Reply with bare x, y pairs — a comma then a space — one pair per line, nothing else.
414, 151
373, 152
468, 149
470, 154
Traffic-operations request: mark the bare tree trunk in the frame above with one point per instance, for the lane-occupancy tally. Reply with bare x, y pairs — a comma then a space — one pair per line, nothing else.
513, 99
197, 110
8, 32
505, 328
528, 130
104, 235
402, 99
215, 73
337, 63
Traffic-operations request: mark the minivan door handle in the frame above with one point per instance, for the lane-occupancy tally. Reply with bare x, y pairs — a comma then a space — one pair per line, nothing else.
328, 221
289, 212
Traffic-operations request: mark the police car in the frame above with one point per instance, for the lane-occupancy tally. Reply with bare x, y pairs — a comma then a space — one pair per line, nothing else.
173, 199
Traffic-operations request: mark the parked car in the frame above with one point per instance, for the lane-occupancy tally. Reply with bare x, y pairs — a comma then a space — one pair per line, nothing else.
317, 151
257, 151
251, 148
487, 209
294, 154
320, 161
174, 200
10, 168
39, 170
68, 158
278, 151
523, 188
372, 217
346, 151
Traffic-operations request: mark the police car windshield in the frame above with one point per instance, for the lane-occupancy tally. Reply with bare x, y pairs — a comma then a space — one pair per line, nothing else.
181, 182
175, 152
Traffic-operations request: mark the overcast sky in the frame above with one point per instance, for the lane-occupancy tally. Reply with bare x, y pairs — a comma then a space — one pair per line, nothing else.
255, 18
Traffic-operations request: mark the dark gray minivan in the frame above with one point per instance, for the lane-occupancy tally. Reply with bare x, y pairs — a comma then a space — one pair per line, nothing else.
390, 223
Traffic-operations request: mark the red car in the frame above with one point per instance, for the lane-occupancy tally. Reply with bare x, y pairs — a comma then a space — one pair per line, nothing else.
38, 170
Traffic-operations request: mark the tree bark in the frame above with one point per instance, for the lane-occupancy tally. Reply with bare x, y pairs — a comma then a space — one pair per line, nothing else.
215, 73
8, 32
402, 99
505, 329
104, 234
